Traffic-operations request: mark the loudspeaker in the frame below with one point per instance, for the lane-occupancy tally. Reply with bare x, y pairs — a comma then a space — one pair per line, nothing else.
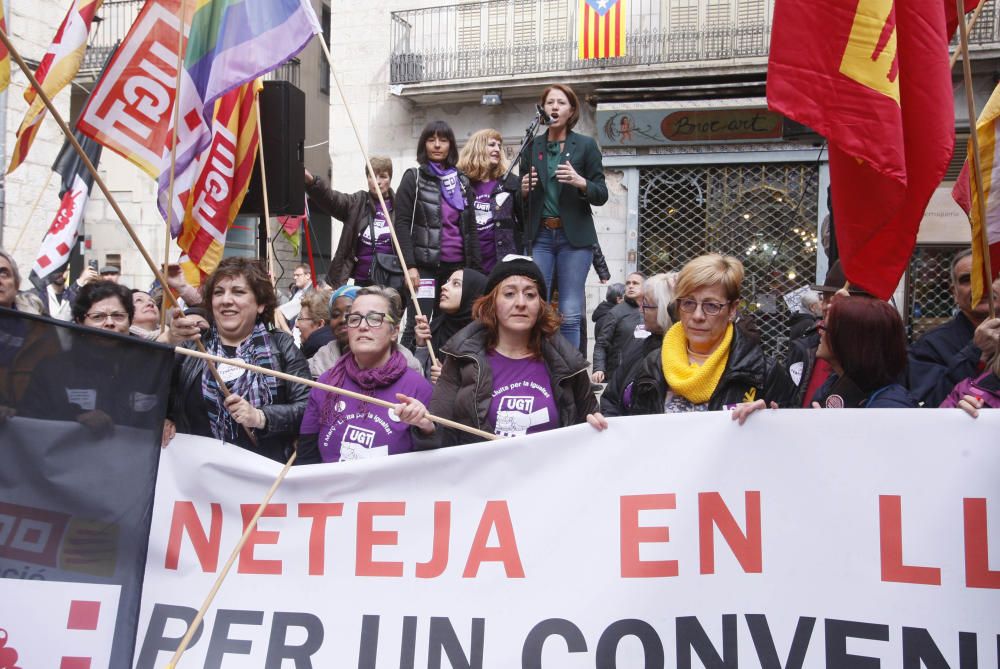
283, 125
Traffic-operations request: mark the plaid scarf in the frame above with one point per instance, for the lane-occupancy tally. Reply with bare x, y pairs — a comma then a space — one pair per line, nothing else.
257, 389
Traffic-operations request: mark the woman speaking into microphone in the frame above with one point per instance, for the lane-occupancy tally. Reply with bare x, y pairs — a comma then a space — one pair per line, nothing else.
561, 179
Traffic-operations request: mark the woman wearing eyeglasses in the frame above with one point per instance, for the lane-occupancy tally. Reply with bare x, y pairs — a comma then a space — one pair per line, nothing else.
242, 300
345, 428
705, 362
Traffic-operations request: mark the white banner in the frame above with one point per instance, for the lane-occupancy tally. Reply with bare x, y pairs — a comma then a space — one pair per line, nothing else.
802, 539
58, 241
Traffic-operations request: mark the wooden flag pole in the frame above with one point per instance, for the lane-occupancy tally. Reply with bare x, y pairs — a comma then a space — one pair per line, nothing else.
263, 190
250, 528
31, 215
330, 389
378, 191
173, 162
977, 174
970, 26
71, 138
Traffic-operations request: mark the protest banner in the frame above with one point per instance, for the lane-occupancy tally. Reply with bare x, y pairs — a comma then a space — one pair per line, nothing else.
802, 539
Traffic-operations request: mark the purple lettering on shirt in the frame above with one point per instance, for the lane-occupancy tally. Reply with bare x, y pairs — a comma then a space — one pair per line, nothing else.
522, 397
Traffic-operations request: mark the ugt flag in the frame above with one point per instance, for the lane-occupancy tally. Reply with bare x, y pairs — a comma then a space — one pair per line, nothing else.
872, 76
81, 416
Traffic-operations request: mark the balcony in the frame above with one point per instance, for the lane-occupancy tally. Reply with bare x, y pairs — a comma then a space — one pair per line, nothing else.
489, 41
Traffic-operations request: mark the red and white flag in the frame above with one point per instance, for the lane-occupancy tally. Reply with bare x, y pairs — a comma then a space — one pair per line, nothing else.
59, 240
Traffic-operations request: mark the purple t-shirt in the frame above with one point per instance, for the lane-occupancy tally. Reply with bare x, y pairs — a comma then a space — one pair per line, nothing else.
522, 396
366, 249
485, 227
452, 248
363, 430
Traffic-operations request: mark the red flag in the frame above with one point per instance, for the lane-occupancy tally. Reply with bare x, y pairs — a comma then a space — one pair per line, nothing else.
952, 18
871, 76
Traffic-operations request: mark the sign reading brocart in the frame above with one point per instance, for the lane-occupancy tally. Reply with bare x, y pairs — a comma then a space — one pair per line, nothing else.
803, 539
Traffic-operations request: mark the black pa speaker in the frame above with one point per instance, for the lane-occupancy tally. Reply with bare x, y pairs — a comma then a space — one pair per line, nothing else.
283, 126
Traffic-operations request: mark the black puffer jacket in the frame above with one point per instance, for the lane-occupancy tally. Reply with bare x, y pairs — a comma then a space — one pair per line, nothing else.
418, 220
613, 334
356, 211
801, 361
749, 375
284, 415
465, 389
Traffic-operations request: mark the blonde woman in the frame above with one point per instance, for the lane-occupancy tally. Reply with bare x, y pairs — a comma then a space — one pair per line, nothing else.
482, 160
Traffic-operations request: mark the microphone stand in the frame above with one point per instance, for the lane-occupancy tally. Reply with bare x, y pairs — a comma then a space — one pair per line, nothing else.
529, 136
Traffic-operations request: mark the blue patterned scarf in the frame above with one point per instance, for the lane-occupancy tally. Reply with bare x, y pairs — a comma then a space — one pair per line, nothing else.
258, 389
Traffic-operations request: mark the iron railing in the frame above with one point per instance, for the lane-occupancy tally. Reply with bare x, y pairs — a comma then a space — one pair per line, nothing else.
113, 22
502, 38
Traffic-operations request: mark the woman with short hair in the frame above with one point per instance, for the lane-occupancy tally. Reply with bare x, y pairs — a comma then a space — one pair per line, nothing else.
510, 372
313, 322
346, 428
242, 300
498, 223
706, 363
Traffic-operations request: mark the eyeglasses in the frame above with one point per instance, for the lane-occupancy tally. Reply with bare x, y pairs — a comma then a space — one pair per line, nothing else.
373, 318
101, 317
305, 318
644, 306
689, 306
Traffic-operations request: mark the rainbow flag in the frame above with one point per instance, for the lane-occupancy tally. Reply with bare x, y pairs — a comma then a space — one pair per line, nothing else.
58, 67
601, 29
235, 41
223, 176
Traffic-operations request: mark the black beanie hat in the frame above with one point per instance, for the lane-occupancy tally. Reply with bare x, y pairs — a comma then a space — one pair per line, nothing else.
514, 265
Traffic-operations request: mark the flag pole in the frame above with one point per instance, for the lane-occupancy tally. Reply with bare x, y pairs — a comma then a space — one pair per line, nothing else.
328, 388
173, 160
31, 214
71, 138
970, 26
378, 191
977, 174
250, 528
263, 190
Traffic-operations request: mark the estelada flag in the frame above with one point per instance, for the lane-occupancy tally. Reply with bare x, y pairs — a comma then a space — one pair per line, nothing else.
4, 55
872, 76
965, 194
601, 29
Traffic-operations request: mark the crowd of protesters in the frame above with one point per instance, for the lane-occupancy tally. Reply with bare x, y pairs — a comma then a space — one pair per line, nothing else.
495, 345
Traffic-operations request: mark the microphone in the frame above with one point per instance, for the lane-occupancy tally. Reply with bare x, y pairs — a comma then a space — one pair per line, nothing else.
542, 115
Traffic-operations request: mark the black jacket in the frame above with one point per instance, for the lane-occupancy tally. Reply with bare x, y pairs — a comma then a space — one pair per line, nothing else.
357, 211
613, 334
613, 397
465, 389
749, 374
317, 340
801, 361
940, 359
418, 220
284, 415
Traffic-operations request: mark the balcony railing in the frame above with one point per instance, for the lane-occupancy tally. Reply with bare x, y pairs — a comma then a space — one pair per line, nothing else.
497, 39
117, 16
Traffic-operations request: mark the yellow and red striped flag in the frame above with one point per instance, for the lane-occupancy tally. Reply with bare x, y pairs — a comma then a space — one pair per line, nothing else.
601, 29
4, 55
224, 170
58, 67
988, 133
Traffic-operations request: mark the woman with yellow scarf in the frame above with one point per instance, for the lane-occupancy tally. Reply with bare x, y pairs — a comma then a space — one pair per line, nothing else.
705, 362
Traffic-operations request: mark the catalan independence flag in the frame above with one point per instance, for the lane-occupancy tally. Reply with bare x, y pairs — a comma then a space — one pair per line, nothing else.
601, 29
233, 42
58, 67
4, 55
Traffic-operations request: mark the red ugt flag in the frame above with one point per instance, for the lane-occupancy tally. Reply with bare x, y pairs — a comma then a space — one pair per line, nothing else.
872, 77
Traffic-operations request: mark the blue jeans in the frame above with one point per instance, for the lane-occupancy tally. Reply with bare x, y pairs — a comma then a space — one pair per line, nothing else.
554, 255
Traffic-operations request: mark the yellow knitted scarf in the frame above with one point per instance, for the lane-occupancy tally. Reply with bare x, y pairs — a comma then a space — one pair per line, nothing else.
693, 382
